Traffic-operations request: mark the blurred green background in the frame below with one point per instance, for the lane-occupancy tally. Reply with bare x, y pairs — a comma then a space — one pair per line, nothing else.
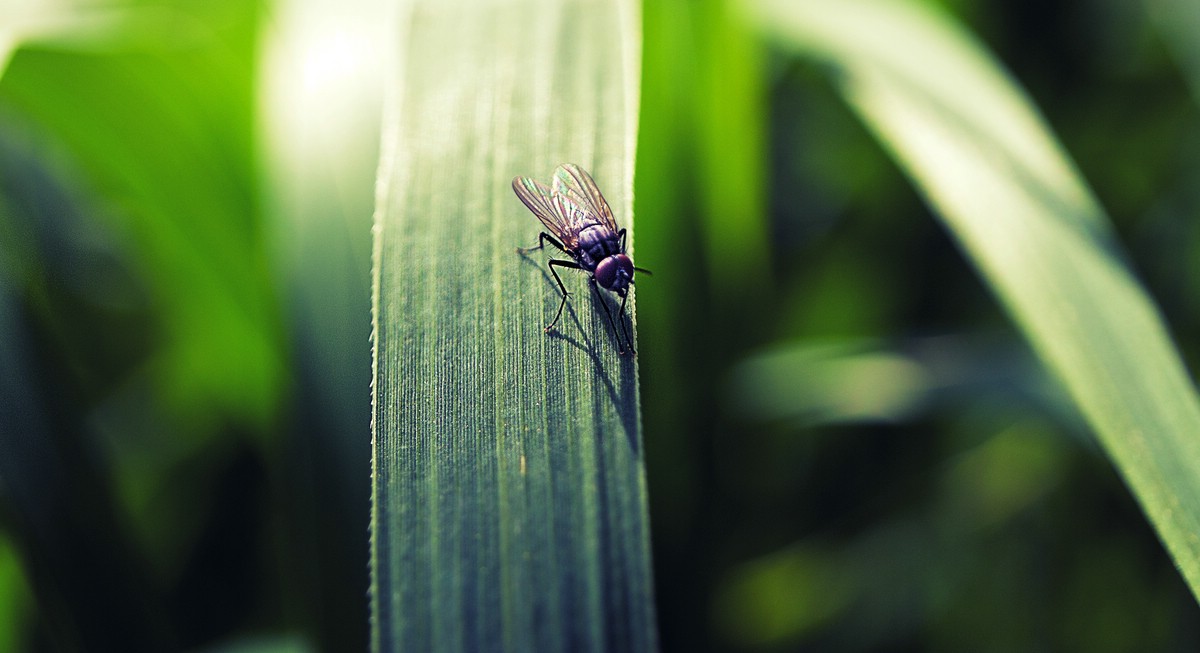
848, 445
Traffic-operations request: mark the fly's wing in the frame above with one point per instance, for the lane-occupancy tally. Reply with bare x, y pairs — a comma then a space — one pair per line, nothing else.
576, 193
539, 199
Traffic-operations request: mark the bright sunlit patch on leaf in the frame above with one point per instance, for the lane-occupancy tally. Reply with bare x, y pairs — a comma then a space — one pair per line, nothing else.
23, 20
331, 60
322, 76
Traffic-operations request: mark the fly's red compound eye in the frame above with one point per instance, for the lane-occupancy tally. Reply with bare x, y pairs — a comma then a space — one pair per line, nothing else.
615, 272
606, 272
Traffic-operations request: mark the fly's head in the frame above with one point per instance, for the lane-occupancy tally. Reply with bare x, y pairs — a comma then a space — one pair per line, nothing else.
615, 273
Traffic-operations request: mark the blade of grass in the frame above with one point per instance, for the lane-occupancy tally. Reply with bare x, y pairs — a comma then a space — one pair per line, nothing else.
1178, 21
508, 500
68, 24
24, 19
985, 161
155, 337
167, 134
732, 121
16, 600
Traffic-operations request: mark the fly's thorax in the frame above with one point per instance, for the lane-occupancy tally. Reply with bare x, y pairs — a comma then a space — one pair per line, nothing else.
596, 243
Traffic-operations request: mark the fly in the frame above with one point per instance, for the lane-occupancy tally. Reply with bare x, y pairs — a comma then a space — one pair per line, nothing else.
580, 224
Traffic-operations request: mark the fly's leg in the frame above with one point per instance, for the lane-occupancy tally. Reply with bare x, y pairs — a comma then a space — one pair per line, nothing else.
621, 317
542, 238
611, 322
570, 265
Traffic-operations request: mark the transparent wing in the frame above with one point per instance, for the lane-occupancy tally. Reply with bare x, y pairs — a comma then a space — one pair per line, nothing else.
539, 199
575, 193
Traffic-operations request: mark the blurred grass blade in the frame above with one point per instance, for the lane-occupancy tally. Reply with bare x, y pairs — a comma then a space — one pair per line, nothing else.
731, 117
986, 163
819, 381
25, 19
70, 23
320, 116
187, 203
509, 507
1179, 23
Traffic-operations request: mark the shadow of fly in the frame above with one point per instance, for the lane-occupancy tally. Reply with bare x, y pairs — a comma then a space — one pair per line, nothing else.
580, 224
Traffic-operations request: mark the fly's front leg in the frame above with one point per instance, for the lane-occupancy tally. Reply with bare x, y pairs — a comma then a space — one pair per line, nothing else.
611, 322
570, 265
542, 238
621, 318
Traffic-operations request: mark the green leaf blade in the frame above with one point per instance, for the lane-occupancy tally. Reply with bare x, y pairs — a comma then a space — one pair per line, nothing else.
989, 167
509, 496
